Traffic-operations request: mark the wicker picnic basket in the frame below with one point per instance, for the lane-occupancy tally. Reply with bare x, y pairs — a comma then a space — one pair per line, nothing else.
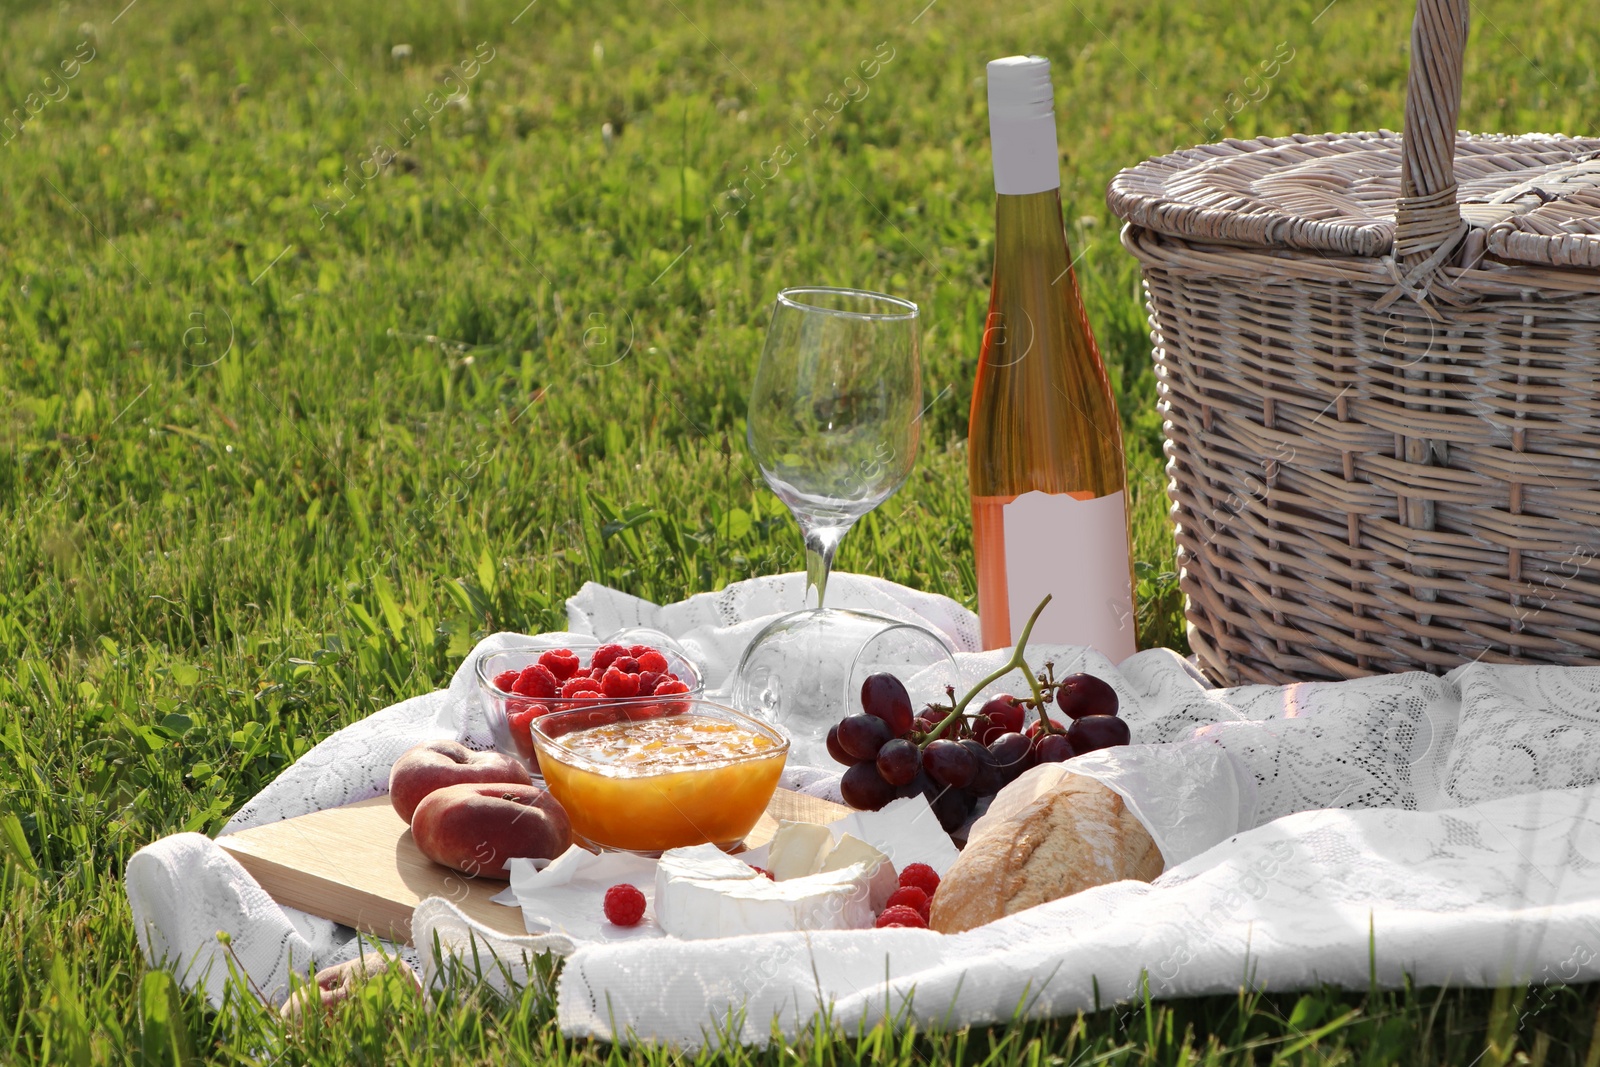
1379, 366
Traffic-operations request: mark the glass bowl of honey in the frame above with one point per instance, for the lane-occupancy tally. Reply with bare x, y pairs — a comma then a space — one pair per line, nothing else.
648, 775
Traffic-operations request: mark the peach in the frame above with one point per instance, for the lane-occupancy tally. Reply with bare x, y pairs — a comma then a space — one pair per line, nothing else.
436, 764
476, 826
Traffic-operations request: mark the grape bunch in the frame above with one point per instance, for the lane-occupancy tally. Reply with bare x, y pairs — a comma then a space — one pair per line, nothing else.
955, 758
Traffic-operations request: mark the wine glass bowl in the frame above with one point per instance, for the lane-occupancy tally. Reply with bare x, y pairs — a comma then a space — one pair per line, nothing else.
835, 411
803, 672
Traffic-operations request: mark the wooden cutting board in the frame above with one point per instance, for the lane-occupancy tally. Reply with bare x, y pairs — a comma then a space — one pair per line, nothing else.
358, 865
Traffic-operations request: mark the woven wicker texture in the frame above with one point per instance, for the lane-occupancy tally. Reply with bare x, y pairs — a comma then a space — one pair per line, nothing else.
1336, 192
1379, 364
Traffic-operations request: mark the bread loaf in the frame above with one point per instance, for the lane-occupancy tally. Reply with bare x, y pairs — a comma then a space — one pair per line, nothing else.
1057, 833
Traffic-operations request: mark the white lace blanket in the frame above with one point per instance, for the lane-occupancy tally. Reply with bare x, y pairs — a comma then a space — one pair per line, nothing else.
1445, 828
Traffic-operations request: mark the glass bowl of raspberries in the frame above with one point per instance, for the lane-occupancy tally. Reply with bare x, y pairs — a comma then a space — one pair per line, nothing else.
520, 684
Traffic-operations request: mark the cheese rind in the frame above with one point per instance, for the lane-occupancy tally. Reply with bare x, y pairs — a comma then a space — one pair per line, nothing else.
700, 896
703, 862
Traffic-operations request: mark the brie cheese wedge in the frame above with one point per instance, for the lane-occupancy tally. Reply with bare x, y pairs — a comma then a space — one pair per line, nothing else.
702, 893
797, 849
882, 879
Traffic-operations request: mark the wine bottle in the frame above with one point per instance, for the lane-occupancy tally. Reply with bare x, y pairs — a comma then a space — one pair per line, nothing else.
1045, 461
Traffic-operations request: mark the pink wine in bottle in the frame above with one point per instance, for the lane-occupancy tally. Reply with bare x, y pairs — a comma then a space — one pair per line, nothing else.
1045, 461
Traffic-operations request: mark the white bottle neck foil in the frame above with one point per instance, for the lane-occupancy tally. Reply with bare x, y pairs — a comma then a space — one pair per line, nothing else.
1022, 126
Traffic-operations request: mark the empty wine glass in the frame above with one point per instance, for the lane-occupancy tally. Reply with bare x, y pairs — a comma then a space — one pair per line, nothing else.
834, 423
834, 412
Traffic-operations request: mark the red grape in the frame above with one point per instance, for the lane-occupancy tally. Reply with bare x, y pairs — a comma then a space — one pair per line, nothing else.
1012, 755
999, 715
951, 806
864, 788
1094, 732
1084, 694
835, 749
1034, 729
862, 735
921, 784
986, 781
884, 696
1052, 748
929, 718
898, 761
948, 763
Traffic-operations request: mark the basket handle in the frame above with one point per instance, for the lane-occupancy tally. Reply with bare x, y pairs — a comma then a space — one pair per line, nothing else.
1428, 222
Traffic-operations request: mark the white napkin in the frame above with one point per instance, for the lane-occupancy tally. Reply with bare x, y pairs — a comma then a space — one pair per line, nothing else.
1467, 777
905, 830
568, 896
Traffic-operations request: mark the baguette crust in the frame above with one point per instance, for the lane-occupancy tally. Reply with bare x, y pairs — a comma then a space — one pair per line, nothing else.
1077, 835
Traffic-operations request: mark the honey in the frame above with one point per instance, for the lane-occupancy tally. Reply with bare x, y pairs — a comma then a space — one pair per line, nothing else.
667, 782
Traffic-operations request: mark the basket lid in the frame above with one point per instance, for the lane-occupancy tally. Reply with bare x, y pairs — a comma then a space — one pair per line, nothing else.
1537, 196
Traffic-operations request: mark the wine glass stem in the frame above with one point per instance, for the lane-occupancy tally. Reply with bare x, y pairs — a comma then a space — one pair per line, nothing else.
821, 543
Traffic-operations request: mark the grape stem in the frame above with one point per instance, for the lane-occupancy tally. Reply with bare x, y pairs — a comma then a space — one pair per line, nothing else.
1043, 705
1016, 662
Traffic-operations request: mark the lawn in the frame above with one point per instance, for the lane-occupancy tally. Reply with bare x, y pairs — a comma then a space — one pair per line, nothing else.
333, 336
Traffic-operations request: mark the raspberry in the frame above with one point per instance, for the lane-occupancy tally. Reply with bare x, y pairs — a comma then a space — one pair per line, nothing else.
525, 712
618, 685
581, 686
522, 705
648, 680
560, 662
763, 872
520, 721
535, 681
638, 650
624, 905
912, 897
505, 680
652, 661
670, 688
922, 876
900, 915
604, 655
626, 664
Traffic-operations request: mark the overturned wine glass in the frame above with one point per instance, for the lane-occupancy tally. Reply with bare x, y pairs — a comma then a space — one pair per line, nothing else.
803, 672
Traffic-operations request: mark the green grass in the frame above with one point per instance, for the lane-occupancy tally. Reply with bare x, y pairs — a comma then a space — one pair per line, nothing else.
273, 451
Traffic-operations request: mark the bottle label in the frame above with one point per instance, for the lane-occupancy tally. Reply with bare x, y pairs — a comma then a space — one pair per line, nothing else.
1076, 550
